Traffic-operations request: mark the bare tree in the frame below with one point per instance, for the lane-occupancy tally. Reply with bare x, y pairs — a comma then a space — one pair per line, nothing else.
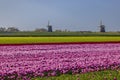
2, 29
12, 29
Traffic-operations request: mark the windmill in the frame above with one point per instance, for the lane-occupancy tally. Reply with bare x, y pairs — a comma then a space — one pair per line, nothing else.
102, 27
49, 27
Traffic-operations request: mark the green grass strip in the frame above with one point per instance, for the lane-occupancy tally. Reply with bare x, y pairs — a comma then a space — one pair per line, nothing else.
100, 75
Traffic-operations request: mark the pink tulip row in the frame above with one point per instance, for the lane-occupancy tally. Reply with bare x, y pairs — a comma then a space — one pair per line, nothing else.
27, 61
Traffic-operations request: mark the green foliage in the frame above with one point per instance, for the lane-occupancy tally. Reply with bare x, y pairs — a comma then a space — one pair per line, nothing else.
100, 75
56, 34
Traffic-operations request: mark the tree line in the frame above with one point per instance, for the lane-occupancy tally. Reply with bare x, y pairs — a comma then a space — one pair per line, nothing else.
9, 29
14, 29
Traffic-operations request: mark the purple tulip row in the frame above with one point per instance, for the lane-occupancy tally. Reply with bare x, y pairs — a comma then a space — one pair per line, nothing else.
28, 61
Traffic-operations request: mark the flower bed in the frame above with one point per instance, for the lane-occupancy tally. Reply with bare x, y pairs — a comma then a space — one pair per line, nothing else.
28, 61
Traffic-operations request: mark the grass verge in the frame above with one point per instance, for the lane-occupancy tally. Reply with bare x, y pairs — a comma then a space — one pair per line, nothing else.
100, 75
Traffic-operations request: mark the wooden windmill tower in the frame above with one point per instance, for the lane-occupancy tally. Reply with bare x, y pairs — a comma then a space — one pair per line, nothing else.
49, 27
102, 27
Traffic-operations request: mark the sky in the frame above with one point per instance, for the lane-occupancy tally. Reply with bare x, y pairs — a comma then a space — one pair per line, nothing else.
74, 15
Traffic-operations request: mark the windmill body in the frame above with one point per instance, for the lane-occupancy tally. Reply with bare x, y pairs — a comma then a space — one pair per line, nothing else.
49, 27
102, 27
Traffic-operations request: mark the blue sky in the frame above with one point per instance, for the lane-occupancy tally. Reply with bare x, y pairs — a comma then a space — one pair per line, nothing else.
76, 15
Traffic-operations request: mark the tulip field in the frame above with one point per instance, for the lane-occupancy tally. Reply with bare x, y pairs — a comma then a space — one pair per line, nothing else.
26, 62
33, 40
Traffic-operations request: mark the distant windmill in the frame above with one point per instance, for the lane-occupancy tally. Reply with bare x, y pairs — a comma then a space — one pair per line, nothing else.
102, 27
49, 27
